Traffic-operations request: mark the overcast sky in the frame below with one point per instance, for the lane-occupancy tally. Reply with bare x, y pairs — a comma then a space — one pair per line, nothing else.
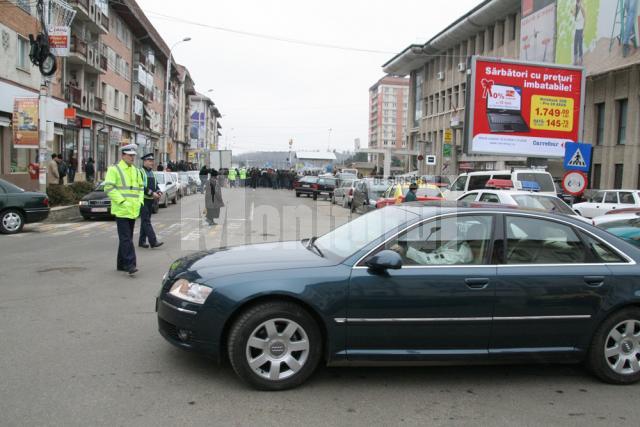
270, 91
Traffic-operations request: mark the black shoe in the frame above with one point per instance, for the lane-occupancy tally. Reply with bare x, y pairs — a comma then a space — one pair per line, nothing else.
143, 245
157, 244
121, 269
132, 271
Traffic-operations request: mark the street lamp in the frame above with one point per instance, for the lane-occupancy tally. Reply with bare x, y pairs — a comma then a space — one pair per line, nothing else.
165, 132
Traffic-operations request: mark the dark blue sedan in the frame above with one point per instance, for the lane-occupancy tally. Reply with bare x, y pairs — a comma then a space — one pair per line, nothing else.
413, 283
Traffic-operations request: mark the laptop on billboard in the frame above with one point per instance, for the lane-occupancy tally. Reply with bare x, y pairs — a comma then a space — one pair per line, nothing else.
504, 107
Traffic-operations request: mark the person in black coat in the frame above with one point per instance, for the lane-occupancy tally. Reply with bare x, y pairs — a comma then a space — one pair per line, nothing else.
90, 170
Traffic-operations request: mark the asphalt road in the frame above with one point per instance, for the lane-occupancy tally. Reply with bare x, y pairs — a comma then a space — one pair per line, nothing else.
79, 343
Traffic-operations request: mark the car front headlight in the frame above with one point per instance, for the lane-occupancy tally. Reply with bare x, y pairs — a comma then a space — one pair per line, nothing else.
83, 203
189, 291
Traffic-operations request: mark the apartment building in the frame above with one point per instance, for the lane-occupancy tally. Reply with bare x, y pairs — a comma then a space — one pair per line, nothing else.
204, 128
542, 31
388, 103
113, 78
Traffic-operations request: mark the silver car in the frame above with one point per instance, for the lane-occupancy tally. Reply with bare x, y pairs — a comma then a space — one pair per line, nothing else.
169, 187
343, 194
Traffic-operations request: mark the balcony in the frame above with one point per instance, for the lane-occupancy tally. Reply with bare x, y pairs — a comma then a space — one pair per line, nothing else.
78, 47
104, 21
73, 95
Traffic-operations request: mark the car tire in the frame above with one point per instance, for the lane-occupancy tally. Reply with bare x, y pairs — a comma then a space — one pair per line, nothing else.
614, 355
11, 221
333, 200
86, 217
297, 194
265, 363
315, 197
175, 199
164, 204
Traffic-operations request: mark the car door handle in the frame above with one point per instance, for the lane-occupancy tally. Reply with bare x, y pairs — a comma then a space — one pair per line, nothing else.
594, 281
477, 282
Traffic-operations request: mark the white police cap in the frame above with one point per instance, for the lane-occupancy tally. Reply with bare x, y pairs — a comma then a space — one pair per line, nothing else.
129, 149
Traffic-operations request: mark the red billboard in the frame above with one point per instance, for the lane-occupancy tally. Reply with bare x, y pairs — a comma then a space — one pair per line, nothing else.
524, 109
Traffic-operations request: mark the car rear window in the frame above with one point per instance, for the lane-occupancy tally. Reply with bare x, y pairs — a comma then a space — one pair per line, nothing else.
428, 192
309, 179
543, 179
327, 181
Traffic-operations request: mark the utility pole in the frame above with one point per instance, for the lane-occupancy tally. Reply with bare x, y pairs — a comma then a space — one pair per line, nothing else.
42, 133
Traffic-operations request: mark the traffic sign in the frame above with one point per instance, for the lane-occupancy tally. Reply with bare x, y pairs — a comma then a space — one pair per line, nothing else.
574, 182
577, 156
430, 160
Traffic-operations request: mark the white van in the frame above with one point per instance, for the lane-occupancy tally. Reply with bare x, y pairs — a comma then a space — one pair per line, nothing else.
477, 180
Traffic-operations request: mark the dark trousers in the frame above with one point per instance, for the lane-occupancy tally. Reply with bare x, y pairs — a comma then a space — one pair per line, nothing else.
146, 229
126, 251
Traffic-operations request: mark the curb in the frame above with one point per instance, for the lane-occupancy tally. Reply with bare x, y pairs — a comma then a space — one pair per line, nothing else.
60, 214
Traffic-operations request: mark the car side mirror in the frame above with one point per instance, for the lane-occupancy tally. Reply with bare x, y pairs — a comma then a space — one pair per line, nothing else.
385, 260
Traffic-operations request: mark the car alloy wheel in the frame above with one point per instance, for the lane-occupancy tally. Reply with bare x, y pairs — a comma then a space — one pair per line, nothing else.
622, 347
274, 345
11, 222
614, 354
277, 349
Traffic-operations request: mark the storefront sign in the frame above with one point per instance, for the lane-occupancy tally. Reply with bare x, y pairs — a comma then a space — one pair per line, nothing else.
448, 136
59, 40
70, 113
524, 109
25, 123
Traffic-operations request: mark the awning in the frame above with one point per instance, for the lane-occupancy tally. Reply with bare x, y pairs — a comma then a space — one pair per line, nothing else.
5, 122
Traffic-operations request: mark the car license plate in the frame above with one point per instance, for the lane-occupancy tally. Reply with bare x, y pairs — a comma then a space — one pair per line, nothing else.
305, 185
99, 209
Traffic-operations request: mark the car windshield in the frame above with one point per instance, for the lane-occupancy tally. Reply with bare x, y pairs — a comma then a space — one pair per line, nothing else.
549, 204
631, 222
160, 177
327, 181
353, 236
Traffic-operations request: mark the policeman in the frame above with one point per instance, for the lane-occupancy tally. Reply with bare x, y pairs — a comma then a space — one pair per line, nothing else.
243, 176
232, 177
151, 193
124, 186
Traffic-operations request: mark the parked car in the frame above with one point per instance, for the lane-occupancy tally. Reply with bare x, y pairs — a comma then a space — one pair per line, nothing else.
196, 178
413, 283
614, 216
342, 177
304, 185
97, 205
19, 207
169, 188
188, 183
625, 226
607, 200
324, 187
477, 181
396, 192
366, 194
343, 194
523, 199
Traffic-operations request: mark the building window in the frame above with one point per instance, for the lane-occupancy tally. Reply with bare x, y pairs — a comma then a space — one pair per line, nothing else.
617, 178
600, 123
595, 177
480, 41
463, 94
490, 31
512, 27
501, 28
23, 54
622, 121
126, 104
418, 82
116, 100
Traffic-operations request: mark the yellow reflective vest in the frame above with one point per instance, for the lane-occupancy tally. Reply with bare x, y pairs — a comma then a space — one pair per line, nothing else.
125, 187
232, 174
243, 173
